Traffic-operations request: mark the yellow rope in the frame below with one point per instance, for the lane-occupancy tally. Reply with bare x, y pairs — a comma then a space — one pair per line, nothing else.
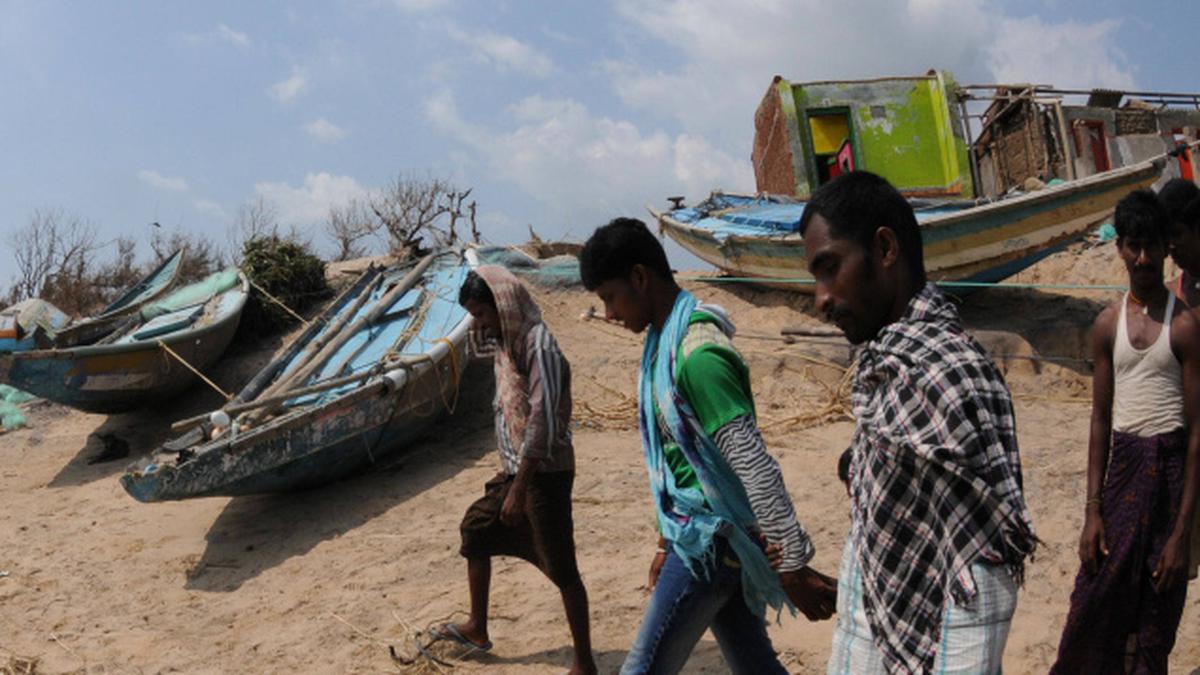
278, 302
228, 397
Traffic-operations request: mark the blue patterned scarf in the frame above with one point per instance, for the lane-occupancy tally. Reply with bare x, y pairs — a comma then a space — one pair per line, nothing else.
687, 517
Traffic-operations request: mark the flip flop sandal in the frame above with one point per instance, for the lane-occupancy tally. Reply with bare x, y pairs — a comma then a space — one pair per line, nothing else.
449, 631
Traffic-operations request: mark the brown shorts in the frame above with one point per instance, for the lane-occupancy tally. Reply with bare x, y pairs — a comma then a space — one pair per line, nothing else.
546, 535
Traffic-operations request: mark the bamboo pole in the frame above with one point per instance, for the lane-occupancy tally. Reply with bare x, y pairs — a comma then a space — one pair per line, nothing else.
263, 379
324, 338
300, 374
238, 408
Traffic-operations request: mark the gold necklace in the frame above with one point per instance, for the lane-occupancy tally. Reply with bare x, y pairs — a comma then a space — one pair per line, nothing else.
1138, 301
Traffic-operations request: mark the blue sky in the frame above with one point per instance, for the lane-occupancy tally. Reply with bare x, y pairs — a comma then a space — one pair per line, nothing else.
560, 115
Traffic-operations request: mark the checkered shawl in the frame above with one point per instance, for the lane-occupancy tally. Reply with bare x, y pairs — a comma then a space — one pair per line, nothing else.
935, 476
518, 315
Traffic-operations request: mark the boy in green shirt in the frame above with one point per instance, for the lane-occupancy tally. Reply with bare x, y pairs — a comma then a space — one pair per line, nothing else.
718, 494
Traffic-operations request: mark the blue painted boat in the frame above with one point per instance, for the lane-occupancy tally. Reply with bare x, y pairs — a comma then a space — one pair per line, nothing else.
38, 324
149, 357
758, 238
154, 286
363, 381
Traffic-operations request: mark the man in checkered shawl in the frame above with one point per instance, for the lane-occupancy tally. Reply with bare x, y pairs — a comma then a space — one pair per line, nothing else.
940, 531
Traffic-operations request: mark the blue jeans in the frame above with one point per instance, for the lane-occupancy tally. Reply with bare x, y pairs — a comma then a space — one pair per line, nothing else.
682, 607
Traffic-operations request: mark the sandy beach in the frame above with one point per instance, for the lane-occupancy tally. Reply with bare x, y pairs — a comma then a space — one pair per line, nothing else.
325, 580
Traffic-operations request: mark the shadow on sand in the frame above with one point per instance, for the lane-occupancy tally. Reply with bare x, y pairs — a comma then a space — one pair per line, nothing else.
121, 438
257, 533
1032, 326
705, 658
1023, 323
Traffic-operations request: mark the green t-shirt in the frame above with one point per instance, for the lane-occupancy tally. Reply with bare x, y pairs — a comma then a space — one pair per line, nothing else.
716, 382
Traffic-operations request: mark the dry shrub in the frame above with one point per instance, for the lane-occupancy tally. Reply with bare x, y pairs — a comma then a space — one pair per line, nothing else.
348, 225
288, 270
54, 253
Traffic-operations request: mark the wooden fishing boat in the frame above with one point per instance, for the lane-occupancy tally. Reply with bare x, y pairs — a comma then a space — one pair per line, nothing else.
153, 287
757, 237
150, 356
365, 379
37, 324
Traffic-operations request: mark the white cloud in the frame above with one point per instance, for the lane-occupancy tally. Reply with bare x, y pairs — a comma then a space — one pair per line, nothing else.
727, 58
586, 166
287, 90
1030, 50
232, 36
209, 207
222, 33
421, 5
324, 131
310, 202
160, 182
503, 52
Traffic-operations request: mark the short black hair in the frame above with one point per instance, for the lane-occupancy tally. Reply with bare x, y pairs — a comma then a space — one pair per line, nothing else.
844, 466
613, 250
1141, 216
1181, 198
857, 203
476, 289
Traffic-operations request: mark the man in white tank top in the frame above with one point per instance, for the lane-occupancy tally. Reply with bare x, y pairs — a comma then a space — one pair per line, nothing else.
1142, 464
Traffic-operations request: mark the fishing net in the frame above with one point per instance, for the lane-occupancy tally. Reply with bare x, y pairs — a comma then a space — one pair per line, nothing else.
11, 416
560, 271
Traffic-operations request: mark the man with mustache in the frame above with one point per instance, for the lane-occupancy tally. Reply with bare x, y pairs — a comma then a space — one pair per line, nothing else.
1142, 464
939, 527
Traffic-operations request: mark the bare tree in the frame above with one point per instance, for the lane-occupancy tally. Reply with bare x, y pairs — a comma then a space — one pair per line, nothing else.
122, 272
53, 254
474, 226
454, 201
409, 209
200, 254
348, 226
256, 218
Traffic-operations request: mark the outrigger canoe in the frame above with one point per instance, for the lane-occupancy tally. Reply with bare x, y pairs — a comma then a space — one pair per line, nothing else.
365, 379
757, 237
149, 357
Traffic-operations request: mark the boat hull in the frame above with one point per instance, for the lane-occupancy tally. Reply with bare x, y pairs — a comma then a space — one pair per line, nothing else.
308, 448
119, 378
405, 361
981, 244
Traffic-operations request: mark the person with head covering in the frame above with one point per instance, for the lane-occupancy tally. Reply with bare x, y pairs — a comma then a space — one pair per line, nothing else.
525, 511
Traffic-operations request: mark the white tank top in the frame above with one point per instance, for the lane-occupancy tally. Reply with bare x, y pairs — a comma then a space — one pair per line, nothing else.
1147, 383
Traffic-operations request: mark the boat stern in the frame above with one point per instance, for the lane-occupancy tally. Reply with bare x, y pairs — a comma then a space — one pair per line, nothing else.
141, 482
